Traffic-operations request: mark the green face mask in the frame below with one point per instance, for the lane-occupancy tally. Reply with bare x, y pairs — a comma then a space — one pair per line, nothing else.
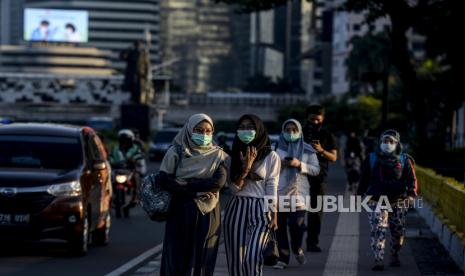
291, 137
246, 136
201, 139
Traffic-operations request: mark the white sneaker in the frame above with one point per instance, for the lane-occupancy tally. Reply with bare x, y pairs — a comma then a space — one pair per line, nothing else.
301, 259
280, 265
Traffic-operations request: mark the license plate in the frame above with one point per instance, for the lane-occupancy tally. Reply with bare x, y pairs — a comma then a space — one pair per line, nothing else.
14, 219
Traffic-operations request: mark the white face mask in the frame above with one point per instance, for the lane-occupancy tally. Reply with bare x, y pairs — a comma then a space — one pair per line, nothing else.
388, 148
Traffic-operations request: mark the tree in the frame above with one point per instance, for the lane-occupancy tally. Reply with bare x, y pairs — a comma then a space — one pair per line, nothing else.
427, 101
369, 62
368, 59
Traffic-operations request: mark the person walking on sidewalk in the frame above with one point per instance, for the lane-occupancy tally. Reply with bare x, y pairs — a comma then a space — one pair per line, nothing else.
388, 172
254, 175
193, 171
324, 144
353, 158
298, 160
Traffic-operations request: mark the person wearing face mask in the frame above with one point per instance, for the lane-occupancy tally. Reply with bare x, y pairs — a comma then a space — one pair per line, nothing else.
254, 176
71, 35
325, 146
390, 173
192, 229
298, 160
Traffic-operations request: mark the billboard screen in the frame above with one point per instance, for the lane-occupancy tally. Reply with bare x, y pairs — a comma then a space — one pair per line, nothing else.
55, 25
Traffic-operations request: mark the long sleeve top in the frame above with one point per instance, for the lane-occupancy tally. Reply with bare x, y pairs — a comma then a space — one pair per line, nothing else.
268, 170
394, 182
298, 184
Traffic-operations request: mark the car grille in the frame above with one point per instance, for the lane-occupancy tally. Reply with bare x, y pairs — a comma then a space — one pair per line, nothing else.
25, 203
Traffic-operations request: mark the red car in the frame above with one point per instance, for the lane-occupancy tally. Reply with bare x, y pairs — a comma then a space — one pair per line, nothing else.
54, 183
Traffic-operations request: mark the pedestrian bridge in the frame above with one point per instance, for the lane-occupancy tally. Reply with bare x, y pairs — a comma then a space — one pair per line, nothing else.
45, 97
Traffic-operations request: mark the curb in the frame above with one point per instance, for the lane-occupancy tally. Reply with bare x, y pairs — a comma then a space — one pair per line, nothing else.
446, 236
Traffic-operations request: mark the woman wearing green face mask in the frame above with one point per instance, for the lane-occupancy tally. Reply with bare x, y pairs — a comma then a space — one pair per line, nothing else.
298, 160
254, 176
194, 179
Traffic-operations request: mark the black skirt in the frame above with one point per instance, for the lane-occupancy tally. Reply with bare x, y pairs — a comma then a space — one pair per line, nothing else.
191, 239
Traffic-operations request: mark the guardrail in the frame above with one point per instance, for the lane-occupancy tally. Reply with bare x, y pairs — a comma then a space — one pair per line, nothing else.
446, 197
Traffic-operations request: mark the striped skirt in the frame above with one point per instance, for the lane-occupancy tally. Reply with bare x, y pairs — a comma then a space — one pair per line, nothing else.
246, 232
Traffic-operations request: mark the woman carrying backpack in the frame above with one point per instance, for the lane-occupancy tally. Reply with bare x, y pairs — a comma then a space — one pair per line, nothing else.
388, 173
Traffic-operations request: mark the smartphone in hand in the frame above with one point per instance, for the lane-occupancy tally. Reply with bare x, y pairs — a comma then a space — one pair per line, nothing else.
288, 158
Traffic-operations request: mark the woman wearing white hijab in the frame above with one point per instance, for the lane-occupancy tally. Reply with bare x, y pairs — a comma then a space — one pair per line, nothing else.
193, 225
298, 160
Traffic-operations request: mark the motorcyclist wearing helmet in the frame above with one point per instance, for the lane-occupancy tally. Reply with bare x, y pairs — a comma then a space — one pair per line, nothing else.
128, 154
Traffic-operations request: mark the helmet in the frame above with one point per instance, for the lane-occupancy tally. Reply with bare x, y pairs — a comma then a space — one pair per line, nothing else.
126, 134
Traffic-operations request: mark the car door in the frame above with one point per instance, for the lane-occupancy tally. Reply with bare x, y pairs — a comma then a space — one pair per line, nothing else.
98, 174
106, 188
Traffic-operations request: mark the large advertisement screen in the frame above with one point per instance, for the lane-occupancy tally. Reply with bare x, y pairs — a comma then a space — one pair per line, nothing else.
56, 25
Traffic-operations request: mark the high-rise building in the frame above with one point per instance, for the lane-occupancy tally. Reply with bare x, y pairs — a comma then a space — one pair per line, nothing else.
197, 33
266, 56
317, 57
115, 24
214, 46
280, 37
11, 14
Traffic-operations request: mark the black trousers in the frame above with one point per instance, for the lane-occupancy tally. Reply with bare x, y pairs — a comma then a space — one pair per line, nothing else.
295, 221
314, 218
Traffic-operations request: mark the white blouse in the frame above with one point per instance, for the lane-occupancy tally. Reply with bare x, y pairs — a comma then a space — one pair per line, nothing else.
268, 169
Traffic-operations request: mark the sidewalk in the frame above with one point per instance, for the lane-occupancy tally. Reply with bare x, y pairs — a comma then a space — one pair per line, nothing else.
345, 240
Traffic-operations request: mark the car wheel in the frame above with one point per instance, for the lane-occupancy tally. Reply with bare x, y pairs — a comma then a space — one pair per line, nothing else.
79, 243
101, 236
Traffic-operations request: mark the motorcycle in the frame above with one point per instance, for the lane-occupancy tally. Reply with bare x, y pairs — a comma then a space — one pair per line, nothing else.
123, 191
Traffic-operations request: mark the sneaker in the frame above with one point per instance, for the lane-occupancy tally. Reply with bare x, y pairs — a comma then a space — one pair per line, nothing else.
280, 265
301, 259
395, 261
379, 266
313, 248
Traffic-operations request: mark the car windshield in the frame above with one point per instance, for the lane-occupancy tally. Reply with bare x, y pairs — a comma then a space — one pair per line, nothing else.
45, 152
165, 136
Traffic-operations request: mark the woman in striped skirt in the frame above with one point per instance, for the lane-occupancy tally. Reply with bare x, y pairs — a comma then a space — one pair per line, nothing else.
254, 175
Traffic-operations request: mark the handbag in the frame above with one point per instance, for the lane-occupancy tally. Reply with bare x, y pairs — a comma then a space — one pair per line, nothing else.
153, 198
271, 252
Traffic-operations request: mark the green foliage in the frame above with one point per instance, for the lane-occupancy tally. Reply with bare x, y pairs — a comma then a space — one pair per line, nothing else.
345, 114
354, 114
369, 59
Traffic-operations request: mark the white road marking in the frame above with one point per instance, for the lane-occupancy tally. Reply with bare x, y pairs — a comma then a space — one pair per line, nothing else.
136, 261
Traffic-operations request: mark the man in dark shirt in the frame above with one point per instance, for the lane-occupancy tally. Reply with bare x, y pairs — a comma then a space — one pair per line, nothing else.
325, 145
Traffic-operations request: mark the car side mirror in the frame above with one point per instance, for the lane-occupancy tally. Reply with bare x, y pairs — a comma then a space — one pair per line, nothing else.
100, 165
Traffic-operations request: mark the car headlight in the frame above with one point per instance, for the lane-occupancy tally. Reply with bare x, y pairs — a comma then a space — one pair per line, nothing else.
65, 189
121, 178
